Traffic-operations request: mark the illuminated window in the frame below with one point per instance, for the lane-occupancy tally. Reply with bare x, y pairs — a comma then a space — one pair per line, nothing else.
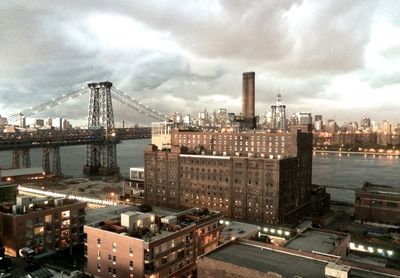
47, 218
38, 231
65, 214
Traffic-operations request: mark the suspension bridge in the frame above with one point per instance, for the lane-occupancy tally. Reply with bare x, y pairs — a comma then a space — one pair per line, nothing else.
101, 135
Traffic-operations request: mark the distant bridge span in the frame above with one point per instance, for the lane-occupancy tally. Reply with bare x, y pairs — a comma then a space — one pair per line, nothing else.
101, 136
46, 138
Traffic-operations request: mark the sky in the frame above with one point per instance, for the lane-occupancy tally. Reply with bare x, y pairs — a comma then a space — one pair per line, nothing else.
335, 58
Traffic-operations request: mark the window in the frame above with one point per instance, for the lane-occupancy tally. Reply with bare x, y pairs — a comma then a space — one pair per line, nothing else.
130, 251
109, 257
98, 254
38, 231
47, 218
98, 242
65, 214
114, 260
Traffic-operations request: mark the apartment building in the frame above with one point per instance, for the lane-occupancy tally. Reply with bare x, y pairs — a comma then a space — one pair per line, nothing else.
148, 245
41, 224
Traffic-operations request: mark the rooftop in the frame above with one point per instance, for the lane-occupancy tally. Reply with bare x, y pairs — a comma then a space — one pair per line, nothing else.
266, 260
315, 240
287, 264
151, 227
27, 204
239, 229
97, 215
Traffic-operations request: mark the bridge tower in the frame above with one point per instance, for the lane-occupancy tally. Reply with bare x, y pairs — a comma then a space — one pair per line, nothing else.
21, 154
56, 169
101, 157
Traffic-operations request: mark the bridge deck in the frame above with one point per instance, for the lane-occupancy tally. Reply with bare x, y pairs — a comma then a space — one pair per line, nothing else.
48, 138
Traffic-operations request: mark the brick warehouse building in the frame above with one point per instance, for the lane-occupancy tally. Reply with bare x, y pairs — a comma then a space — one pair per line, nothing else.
255, 175
263, 177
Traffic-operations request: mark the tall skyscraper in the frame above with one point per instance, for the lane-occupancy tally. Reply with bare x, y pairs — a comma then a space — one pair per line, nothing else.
365, 123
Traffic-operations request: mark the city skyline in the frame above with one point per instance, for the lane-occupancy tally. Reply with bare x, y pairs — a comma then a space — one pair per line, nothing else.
325, 58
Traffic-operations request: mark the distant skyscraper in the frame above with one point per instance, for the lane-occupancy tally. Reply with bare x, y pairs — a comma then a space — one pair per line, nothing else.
22, 121
318, 118
331, 126
278, 114
305, 118
318, 126
39, 122
385, 127
365, 123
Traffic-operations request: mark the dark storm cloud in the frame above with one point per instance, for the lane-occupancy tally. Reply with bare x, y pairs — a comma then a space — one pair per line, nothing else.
296, 47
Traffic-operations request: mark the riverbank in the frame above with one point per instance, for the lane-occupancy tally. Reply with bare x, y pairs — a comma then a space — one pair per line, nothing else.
372, 154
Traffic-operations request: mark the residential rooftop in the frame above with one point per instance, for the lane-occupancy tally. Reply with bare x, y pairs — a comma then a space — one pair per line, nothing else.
152, 227
27, 204
97, 215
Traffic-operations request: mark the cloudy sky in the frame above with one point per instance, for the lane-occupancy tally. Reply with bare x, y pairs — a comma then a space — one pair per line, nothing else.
336, 58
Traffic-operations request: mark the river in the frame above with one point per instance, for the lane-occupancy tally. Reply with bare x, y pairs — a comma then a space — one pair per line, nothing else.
347, 172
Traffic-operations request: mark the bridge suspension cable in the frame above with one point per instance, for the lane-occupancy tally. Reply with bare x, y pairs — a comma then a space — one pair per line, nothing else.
47, 105
117, 95
143, 111
137, 105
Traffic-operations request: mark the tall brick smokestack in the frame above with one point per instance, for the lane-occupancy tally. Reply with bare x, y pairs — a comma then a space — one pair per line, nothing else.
248, 100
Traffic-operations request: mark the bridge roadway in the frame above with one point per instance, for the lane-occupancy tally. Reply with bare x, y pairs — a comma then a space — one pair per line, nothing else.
57, 138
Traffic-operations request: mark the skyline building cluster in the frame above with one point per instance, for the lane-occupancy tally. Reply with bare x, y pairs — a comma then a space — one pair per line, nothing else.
35, 124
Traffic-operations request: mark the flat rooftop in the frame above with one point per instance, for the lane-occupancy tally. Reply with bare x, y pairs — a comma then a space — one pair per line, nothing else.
288, 265
175, 223
313, 240
239, 229
97, 215
265, 260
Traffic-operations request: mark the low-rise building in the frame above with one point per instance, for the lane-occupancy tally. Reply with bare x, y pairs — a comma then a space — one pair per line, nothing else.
377, 203
244, 258
21, 175
41, 224
147, 245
